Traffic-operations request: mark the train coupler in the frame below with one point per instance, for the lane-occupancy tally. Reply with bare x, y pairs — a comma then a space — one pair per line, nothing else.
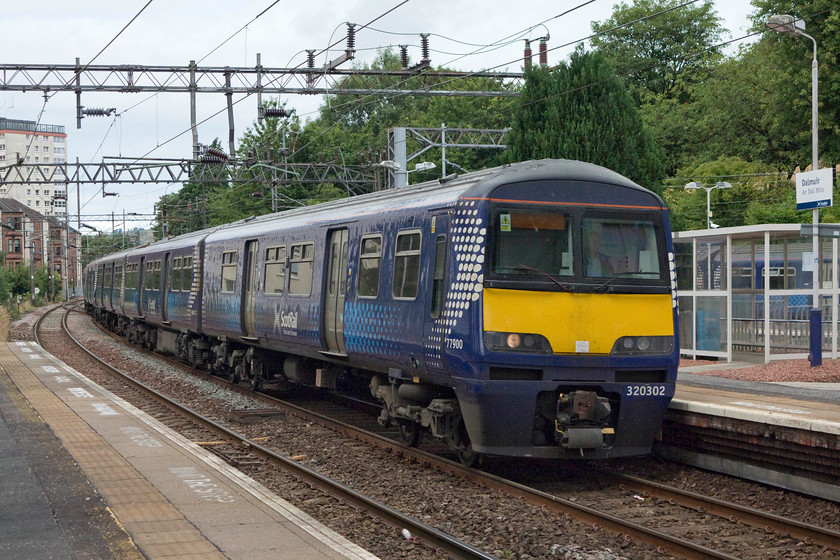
582, 420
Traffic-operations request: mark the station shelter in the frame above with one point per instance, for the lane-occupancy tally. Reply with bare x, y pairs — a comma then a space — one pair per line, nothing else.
748, 291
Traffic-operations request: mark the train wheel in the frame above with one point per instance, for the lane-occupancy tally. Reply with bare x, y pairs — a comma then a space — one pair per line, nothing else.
411, 433
466, 455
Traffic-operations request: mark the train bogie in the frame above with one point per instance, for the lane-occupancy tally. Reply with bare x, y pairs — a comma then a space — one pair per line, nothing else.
528, 310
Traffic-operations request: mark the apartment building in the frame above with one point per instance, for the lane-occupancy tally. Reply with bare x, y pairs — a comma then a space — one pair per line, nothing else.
43, 144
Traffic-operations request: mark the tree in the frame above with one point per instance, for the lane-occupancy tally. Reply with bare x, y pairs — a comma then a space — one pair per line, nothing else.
756, 186
582, 110
795, 53
664, 55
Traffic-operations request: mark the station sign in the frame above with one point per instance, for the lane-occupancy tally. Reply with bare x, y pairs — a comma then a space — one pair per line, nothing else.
815, 189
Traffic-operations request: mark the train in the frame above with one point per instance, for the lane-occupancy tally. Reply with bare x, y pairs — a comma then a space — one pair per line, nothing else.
527, 310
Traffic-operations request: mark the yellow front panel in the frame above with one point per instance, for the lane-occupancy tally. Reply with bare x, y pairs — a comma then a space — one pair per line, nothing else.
567, 319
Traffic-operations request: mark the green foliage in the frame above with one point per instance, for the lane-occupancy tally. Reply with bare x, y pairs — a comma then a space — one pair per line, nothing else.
794, 71
662, 56
755, 186
581, 110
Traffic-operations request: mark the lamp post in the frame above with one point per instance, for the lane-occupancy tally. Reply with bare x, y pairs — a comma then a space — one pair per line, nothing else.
789, 25
718, 185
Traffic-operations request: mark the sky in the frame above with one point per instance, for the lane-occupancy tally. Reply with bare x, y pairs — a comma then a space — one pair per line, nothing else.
219, 34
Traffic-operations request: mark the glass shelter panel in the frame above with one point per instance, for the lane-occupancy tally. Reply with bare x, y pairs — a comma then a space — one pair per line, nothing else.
684, 255
686, 321
710, 271
711, 324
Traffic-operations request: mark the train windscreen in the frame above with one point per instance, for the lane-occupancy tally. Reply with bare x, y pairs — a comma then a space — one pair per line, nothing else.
574, 244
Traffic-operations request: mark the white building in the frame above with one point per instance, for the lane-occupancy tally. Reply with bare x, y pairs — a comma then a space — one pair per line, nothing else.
44, 145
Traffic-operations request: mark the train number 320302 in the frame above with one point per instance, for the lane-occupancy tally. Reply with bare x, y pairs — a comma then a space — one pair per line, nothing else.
646, 390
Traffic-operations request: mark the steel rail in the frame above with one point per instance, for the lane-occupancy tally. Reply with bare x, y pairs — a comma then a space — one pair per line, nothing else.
421, 532
808, 533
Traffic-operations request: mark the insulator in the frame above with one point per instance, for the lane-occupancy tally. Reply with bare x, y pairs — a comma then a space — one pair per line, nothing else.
424, 46
98, 112
543, 53
528, 54
404, 56
351, 38
310, 58
214, 155
275, 112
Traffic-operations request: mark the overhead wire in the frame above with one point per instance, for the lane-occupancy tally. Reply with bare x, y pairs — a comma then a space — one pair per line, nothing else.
87, 65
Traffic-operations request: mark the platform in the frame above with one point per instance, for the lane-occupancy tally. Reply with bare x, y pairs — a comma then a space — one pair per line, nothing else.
87, 475
784, 434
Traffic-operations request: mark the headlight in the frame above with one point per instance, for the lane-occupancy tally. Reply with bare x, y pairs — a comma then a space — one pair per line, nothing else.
519, 342
643, 345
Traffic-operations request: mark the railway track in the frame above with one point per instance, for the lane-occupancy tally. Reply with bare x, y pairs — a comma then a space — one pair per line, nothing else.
674, 523
237, 449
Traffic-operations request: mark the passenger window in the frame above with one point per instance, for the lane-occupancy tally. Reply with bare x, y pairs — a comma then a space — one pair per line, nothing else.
229, 260
175, 276
149, 280
187, 274
407, 265
370, 258
118, 272
156, 276
300, 269
275, 270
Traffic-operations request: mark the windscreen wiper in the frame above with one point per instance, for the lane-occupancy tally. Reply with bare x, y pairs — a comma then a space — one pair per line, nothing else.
544, 273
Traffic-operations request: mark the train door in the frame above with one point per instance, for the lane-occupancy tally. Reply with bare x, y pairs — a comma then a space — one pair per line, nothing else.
336, 289
434, 321
249, 284
141, 281
164, 289
109, 286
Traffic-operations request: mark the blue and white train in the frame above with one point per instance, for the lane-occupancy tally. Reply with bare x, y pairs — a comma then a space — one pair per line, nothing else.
527, 310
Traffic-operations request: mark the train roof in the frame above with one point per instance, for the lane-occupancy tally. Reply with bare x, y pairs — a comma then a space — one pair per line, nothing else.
427, 195
437, 193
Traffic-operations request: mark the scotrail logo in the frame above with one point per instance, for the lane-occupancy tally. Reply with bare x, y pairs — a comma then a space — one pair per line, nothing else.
286, 323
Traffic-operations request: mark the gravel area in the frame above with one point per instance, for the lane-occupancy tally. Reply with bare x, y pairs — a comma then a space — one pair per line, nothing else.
776, 371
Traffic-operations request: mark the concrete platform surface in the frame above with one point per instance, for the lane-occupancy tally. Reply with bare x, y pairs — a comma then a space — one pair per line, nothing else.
166, 496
